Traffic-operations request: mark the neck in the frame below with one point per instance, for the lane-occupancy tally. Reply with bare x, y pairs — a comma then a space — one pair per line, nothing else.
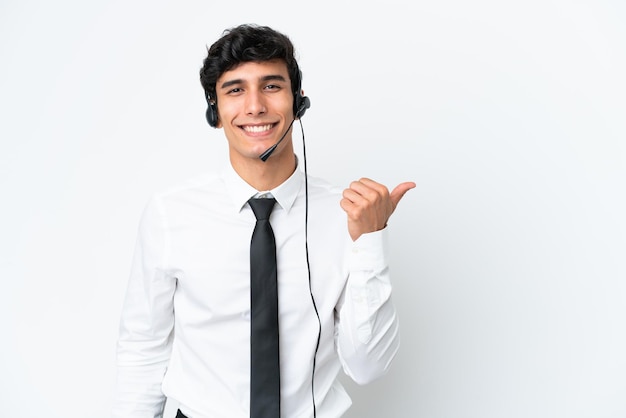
269, 174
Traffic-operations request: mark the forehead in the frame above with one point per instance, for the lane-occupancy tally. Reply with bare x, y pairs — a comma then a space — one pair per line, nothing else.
254, 71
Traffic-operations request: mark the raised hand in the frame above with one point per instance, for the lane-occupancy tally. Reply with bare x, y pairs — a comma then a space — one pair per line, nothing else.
369, 205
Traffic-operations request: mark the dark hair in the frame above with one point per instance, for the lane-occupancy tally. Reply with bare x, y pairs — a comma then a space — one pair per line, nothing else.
247, 43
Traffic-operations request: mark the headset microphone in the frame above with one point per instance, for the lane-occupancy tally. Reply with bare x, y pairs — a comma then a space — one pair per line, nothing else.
266, 154
305, 103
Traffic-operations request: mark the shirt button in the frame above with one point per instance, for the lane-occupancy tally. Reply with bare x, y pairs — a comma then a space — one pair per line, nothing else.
246, 315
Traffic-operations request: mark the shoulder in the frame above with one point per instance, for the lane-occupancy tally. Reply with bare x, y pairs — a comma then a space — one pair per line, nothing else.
180, 196
324, 197
200, 184
321, 188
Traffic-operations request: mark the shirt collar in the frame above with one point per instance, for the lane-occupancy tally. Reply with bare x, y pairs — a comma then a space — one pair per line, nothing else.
240, 192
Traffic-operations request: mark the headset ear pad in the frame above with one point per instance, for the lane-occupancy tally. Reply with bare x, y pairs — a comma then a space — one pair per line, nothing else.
211, 114
302, 103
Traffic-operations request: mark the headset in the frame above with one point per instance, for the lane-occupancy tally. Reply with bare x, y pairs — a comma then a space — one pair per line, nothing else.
300, 104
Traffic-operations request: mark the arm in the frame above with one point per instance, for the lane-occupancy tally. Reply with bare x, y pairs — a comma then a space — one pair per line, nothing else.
367, 338
146, 324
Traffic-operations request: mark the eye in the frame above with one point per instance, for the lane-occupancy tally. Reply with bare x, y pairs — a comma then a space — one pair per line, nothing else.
234, 90
272, 87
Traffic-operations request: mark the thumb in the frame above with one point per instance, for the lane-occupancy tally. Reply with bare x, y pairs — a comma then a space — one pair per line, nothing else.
399, 192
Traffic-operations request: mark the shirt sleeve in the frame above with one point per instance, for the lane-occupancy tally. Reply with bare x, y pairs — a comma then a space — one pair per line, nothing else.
147, 322
367, 325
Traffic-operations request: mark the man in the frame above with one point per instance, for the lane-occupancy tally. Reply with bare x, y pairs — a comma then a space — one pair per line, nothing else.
185, 330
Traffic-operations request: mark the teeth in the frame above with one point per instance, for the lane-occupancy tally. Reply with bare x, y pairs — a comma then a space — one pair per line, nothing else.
262, 128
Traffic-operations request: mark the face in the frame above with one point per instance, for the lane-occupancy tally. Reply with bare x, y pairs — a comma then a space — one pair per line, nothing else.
255, 107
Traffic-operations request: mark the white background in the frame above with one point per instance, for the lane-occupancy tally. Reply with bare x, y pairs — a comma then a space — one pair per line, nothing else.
509, 257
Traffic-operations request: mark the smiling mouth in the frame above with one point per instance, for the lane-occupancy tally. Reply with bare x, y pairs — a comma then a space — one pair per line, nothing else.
257, 128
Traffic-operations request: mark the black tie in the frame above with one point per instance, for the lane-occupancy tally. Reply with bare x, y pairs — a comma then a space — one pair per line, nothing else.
264, 357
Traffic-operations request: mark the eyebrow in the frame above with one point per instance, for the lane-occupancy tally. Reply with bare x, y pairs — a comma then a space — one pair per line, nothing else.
236, 81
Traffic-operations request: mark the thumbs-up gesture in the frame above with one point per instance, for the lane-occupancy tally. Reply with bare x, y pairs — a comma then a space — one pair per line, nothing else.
369, 205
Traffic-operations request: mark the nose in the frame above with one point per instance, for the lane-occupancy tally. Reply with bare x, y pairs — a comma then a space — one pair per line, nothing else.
255, 103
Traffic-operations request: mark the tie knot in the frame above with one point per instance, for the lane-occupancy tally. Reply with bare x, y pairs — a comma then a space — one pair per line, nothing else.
262, 208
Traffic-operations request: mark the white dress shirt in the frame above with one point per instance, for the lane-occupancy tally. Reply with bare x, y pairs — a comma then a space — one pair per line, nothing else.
185, 325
